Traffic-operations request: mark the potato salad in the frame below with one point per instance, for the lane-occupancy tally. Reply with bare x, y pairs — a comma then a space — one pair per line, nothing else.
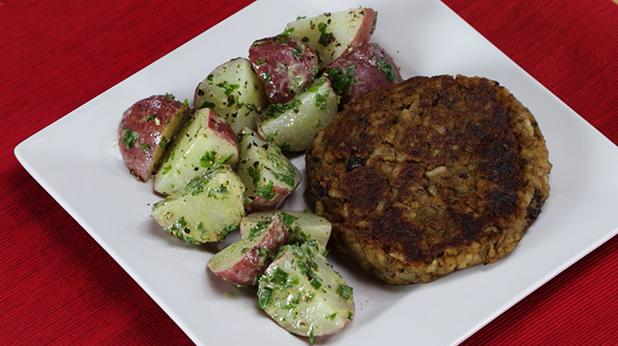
221, 164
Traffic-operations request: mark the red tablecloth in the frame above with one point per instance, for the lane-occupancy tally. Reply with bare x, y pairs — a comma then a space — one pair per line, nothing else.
58, 286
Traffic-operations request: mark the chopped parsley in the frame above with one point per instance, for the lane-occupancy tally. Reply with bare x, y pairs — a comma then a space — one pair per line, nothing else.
321, 100
325, 37
350, 315
297, 52
331, 316
266, 191
129, 138
386, 68
316, 283
342, 78
275, 110
279, 277
264, 295
180, 230
257, 229
287, 219
166, 169
219, 190
263, 253
195, 186
208, 159
228, 88
228, 229
210, 77
301, 17
211, 160
207, 104
344, 291
283, 37
169, 96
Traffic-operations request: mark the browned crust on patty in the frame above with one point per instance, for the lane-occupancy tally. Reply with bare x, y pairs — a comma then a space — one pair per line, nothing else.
428, 177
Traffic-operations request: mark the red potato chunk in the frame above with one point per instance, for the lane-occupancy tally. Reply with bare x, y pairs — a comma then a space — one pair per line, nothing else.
285, 65
334, 34
244, 261
145, 130
367, 68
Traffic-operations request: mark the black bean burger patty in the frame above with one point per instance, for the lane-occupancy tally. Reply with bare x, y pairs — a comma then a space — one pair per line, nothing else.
429, 176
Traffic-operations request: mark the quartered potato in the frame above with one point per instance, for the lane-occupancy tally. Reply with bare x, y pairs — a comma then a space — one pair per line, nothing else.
206, 210
206, 143
244, 261
293, 125
146, 129
284, 64
303, 294
303, 226
334, 34
365, 69
267, 174
234, 91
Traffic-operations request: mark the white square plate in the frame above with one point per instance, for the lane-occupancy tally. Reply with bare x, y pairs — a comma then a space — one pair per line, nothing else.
77, 161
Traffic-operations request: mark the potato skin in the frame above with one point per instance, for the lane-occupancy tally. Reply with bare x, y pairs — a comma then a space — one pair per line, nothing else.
145, 130
367, 68
243, 262
285, 65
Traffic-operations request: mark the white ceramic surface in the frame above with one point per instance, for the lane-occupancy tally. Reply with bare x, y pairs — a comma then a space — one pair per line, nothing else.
76, 160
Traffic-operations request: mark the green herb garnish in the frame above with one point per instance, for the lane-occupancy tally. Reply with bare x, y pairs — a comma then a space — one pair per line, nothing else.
321, 100
344, 291
264, 296
266, 191
386, 68
279, 276
129, 138
325, 37
207, 104
342, 78
287, 219
228, 88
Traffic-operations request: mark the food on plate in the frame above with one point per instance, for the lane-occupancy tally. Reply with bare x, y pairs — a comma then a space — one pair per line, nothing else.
284, 64
293, 125
430, 176
234, 91
303, 226
366, 68
242, 262
204, 144
303, 294
145, 130
206, 210
267, 174
335, 34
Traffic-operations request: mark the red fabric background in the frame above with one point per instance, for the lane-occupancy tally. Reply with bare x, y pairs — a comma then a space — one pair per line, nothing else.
58, 286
